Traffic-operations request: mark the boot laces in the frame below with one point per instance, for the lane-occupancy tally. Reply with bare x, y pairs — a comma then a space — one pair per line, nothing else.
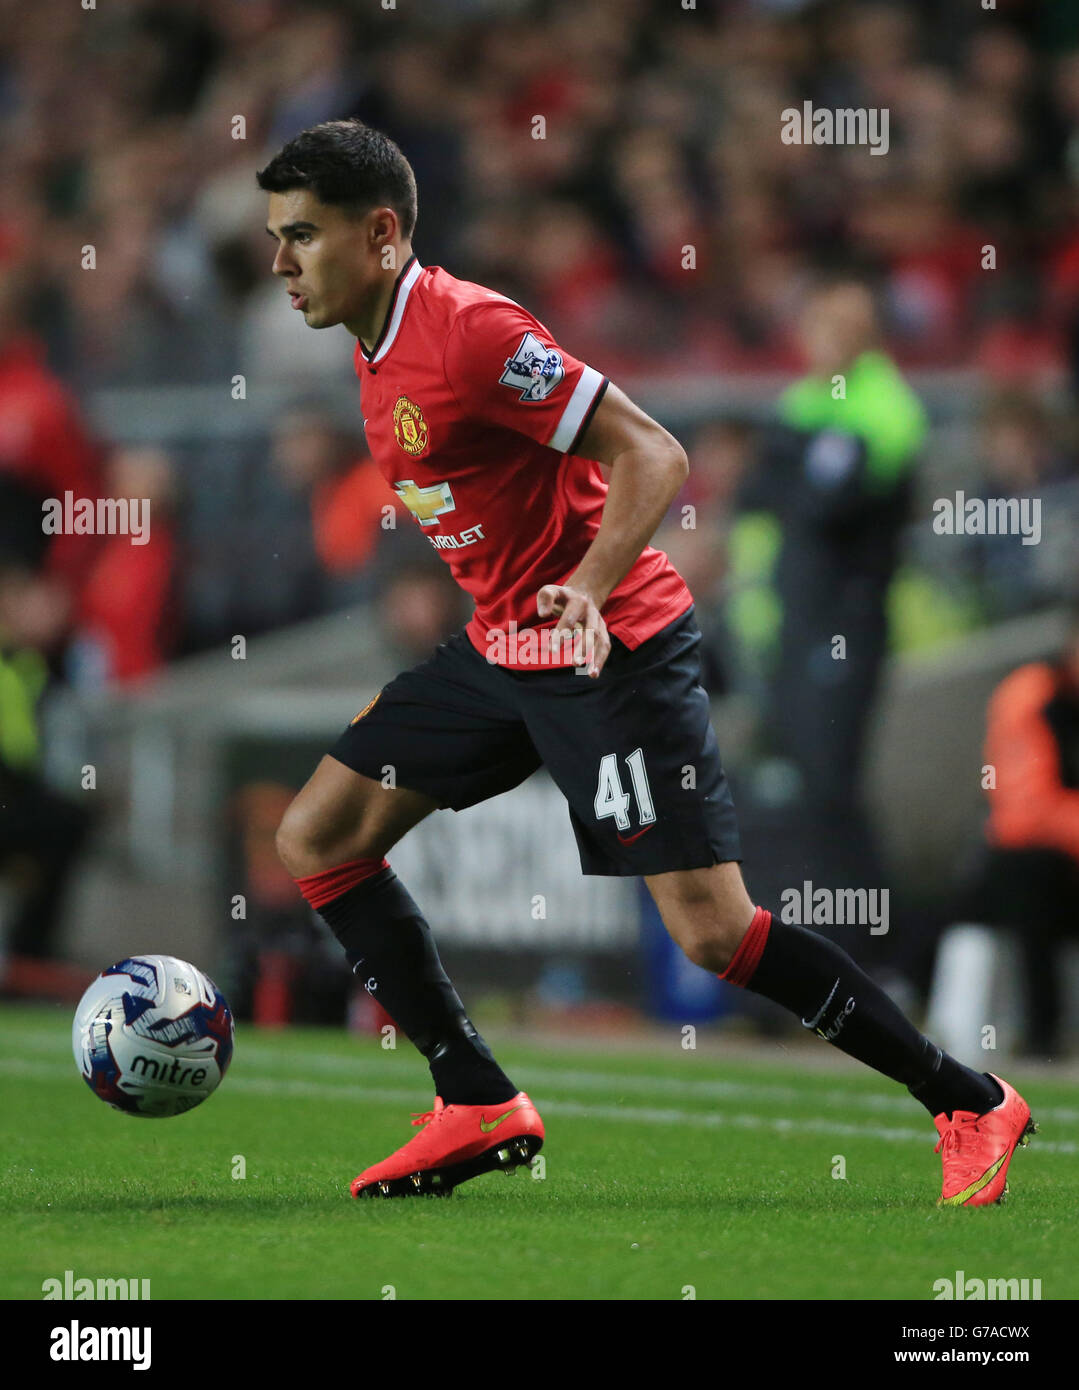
420, 1118
950, 1141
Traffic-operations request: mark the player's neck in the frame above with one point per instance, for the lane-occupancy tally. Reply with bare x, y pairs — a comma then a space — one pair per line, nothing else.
370, 319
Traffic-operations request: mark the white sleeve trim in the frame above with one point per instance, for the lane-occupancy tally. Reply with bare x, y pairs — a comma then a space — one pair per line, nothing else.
584, 393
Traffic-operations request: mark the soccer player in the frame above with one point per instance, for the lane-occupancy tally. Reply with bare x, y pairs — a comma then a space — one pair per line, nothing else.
581, 655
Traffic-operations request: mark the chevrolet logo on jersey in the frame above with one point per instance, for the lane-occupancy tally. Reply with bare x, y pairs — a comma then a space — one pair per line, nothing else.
425, 503
533, 370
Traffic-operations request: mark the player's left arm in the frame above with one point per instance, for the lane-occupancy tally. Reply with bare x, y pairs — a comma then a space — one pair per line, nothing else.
647, 469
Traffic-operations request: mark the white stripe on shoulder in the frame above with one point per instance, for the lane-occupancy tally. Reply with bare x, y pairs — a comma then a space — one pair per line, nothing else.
579, 403
398, 310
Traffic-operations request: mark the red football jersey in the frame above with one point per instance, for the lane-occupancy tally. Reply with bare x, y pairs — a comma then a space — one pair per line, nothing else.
472, 413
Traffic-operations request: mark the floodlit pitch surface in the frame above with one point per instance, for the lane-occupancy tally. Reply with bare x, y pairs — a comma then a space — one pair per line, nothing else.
665, 1171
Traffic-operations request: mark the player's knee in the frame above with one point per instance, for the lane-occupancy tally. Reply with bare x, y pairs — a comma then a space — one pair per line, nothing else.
290, 840
303, 844
309, 840
708, 952
712, 944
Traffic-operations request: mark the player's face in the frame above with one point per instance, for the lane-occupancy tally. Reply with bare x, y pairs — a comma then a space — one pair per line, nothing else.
322, 256
837, 327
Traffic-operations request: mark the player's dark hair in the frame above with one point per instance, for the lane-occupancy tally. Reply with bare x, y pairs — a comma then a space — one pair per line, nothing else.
346, 164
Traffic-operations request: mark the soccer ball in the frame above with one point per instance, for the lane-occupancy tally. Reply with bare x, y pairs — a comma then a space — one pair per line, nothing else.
152, 1036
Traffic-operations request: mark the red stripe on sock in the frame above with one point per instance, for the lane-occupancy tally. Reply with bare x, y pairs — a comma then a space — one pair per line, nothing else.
322, 888
744, 963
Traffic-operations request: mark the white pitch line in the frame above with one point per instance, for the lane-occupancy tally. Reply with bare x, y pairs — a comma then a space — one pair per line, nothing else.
321, 1090
368, 1068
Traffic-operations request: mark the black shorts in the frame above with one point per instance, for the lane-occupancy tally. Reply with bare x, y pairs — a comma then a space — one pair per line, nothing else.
633, 752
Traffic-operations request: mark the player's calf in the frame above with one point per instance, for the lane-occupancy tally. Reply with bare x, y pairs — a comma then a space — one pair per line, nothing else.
980, 1119
332, 840
707, 910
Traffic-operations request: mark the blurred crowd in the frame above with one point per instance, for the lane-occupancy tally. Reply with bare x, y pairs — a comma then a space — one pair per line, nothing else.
662, 127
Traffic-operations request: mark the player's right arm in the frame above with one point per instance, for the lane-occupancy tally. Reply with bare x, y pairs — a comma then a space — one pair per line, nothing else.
504, 368
648, 467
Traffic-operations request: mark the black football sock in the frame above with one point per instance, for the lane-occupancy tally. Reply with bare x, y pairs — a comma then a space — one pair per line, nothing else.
837, 1000
390, 947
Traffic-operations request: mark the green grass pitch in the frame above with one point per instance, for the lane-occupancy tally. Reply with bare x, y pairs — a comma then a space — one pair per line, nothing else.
665, 1171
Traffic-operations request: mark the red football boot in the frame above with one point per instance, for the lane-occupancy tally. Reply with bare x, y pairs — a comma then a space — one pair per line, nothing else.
975, 1150
455, 1143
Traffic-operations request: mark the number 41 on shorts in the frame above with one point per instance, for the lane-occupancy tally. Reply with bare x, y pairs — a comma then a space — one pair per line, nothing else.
613, 800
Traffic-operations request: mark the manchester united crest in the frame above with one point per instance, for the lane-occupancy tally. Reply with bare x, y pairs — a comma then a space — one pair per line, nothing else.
409, 426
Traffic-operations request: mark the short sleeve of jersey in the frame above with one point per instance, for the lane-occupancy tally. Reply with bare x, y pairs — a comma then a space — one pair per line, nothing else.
504, 368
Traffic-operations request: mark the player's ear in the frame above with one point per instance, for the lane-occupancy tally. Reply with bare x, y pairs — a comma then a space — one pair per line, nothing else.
383, 225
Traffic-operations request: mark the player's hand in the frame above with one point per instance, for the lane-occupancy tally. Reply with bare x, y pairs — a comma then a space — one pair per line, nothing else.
578, 612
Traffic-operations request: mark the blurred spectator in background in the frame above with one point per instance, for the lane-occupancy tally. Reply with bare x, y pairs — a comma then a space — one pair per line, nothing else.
419, 607
834, 484
1025, 457
126, 623
44, 447
1026, 874
352, 506
281, 965
280, 574
41, 831
697, 534
302, 539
